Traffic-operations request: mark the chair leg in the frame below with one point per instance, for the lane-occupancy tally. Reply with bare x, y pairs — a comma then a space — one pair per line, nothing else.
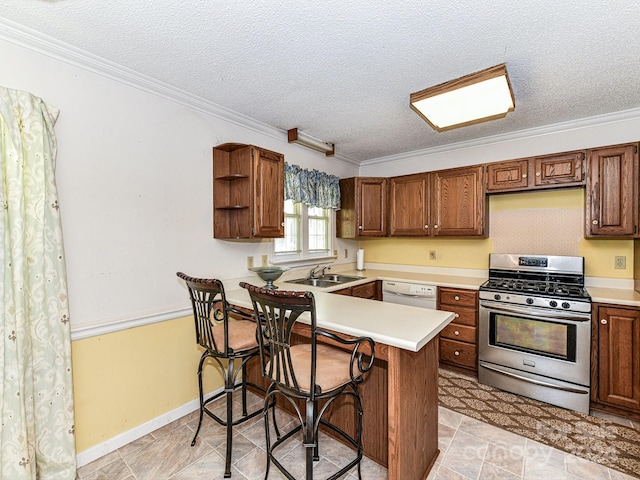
316, 449
359, 430
309, 438
244, 389
229, 387
202, 359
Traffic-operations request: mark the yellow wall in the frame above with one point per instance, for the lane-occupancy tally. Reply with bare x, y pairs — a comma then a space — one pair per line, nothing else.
124, 379
473, 253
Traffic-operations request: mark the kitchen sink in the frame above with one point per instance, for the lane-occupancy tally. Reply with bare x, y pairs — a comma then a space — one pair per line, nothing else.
325, 280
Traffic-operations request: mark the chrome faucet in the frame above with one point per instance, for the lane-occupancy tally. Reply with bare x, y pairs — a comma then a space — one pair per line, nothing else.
312, 273
325, 268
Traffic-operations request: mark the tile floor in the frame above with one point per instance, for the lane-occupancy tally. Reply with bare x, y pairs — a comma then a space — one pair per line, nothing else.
469, 450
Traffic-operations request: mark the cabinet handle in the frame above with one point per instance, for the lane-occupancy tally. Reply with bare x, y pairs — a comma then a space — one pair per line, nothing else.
282, 224
524, 175
456, 298
456, 333
457, 315
603, 321
426, 226
435, 226
595, 222
537, 174
456, 353
360, 227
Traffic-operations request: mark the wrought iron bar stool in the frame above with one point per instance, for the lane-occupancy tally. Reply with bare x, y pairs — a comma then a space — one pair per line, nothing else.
222, 339
314, 373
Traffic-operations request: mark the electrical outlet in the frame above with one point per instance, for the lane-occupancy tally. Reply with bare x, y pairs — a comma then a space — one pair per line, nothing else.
346, 253
335, 253
432, 254
621, 262
265, 260
249, 262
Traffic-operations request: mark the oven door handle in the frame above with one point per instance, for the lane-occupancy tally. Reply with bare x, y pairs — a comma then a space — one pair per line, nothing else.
531, 311
536, 382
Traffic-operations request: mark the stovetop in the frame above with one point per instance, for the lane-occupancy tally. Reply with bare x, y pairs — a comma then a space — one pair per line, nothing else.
537, 287
547, 281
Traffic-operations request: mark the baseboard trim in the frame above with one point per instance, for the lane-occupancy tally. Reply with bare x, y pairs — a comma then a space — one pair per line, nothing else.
91, 454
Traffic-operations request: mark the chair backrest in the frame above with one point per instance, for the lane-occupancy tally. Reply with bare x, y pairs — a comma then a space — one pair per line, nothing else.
278, 311
210, 311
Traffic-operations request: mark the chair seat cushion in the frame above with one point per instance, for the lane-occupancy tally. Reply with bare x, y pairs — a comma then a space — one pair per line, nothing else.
332, 366
242, 335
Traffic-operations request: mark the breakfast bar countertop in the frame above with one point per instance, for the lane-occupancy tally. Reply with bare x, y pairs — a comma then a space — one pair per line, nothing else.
402, 326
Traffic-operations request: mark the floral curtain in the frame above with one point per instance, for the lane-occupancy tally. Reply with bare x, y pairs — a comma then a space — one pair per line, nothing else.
311, 187
36, 397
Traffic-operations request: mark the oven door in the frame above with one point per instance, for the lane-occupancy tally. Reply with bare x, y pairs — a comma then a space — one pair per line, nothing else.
553, 344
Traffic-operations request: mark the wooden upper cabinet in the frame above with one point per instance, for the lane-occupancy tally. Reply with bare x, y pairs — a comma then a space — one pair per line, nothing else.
616, 354
248, 192
564, 169
409, 205
458, 202
268, 170
363, 212
548, 171
611, 198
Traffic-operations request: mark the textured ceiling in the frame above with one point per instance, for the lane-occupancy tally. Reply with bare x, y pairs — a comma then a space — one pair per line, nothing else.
342, 71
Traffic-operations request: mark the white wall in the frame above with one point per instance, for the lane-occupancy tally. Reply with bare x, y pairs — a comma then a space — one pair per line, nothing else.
621, 127
134, 180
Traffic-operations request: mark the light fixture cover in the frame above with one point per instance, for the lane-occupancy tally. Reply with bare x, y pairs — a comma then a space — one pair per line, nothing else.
296, 136
474, 98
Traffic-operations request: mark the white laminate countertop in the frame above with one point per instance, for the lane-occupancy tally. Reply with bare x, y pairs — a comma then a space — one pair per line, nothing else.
402, 326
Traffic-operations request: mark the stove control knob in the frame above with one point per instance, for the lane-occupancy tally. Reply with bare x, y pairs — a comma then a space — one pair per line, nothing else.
566, 305
529, 301
553, 303
497, 297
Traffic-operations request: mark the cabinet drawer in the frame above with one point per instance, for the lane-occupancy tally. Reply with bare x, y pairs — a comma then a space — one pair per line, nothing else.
464, 316
458, 332
458, 353
452, 296
367, 290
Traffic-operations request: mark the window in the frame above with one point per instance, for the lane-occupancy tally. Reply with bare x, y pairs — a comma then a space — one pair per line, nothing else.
308, 233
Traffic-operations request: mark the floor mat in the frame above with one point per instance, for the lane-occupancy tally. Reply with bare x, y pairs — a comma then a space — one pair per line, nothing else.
599, 440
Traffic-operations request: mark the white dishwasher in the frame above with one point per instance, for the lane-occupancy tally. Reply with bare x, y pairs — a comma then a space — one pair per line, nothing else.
414, 294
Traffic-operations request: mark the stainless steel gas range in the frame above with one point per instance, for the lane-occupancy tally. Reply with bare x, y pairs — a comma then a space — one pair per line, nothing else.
535, 329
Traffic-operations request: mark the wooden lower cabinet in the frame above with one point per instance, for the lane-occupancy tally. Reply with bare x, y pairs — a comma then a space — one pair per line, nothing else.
615, 360
459, 339
369, 290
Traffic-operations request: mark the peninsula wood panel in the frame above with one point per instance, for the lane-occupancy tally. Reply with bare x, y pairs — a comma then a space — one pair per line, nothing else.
413, 420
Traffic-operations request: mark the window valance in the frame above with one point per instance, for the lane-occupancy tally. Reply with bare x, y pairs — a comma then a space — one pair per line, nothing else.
311, 187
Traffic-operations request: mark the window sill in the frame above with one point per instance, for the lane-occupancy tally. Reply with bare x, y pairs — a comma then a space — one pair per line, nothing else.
304, 262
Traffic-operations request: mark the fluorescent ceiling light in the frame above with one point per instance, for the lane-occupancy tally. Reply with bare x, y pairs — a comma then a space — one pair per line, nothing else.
296, 136
475, 98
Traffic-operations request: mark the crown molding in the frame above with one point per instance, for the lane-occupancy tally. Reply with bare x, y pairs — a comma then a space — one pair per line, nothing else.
598, 120
38, 42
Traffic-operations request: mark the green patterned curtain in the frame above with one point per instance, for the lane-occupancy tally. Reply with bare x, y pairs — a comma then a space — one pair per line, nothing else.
36, 397
311, 187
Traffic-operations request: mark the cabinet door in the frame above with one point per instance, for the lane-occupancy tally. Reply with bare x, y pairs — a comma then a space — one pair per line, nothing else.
458, 202
564, 169
269, 194
618, 343
409, 205
371, 204
505, 176
610, 209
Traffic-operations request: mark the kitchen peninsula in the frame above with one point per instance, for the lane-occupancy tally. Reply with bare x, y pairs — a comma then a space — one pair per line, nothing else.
400, 394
